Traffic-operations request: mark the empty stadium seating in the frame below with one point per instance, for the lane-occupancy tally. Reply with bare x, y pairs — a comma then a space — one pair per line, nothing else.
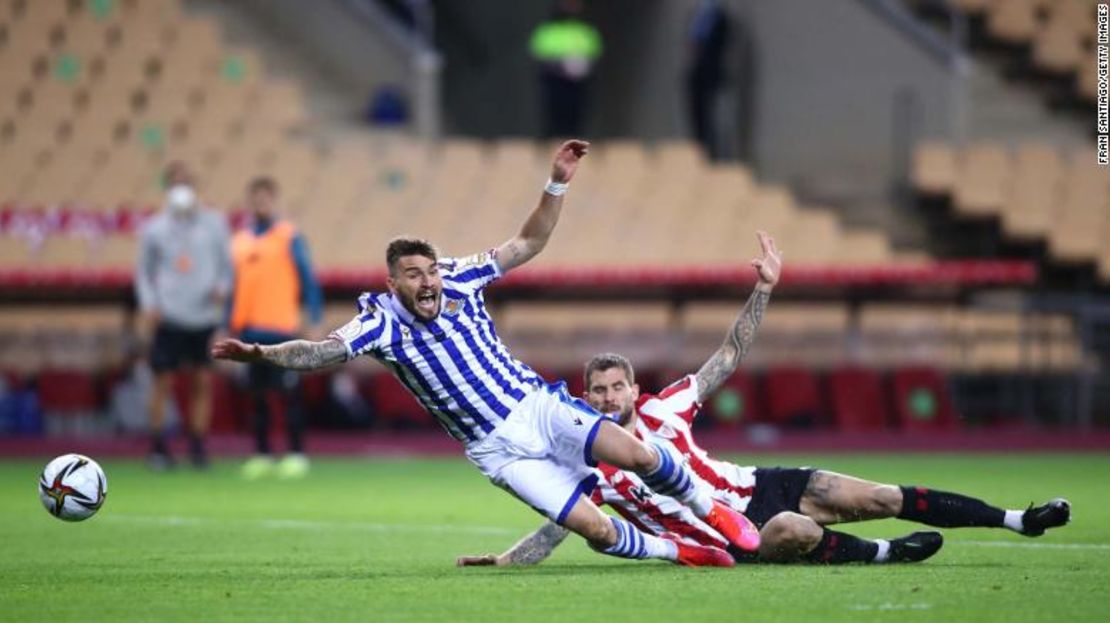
105, 94
101, 96
1035, 192
1054, 38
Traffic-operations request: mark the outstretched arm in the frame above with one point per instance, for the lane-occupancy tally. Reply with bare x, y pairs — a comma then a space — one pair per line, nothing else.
739, 339
294, 354
541, 222
528, 551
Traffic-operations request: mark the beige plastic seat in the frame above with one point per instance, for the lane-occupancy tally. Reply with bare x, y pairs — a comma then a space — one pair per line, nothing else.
277, 104
864, 247
117, 252
1013, 21
1087, 77
1058, 48
897, 334
61, 251
151, 12
992, 340
15, 253
813, 238
87, 36
1079, 15
933, 170
566, 318
1033, 191
980, 189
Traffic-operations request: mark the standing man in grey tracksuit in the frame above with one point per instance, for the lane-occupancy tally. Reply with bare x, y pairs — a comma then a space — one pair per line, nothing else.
182, 281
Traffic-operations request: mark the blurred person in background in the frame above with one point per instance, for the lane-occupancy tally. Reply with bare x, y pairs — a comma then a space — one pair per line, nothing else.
566, 47
273, 279
709, 35
182, 280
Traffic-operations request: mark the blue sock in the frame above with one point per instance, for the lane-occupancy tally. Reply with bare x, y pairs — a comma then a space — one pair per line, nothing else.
672, 478
631, 543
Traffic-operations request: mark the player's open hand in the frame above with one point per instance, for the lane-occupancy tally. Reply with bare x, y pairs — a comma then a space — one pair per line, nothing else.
770, 265
488, 560
235, 350
567, 158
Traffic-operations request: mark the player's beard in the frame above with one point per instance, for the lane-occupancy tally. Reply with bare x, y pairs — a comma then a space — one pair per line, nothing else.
410, 304
624, 415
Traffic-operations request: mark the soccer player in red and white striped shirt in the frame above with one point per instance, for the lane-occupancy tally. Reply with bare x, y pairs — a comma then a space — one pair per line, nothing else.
791, 506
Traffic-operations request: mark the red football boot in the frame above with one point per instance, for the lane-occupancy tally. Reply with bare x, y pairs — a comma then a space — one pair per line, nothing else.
734, 526
699, 555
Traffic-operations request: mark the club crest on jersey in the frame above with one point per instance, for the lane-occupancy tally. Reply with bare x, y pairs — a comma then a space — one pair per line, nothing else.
451, 307
641, 493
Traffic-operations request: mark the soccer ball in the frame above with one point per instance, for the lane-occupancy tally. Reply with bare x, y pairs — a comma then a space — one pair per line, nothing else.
73, 487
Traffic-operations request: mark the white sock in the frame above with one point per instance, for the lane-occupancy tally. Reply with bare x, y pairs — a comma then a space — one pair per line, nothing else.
883, 553
660, 548
701, 502
1013, 521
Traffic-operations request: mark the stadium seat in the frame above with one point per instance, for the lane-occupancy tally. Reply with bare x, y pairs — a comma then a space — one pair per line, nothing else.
394, 405
67, 392
1033, 191
1013, 21
857, 401
921, 400
735, 404
980, 188
793, 397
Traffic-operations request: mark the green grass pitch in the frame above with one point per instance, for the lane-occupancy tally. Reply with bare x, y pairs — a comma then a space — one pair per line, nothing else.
376, 539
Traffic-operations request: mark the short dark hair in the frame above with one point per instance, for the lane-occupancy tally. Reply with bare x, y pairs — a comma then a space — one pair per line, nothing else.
403, 246
263, 182
608, 361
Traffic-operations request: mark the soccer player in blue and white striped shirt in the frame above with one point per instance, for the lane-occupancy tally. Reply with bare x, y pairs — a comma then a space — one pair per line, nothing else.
432, 331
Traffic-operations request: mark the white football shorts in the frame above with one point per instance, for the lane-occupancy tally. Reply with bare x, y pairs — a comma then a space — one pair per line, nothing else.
543, 452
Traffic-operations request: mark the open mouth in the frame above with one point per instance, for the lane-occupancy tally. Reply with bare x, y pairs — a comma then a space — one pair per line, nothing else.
427, 303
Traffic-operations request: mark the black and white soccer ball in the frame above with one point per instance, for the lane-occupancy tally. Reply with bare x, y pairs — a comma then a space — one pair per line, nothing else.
73, 487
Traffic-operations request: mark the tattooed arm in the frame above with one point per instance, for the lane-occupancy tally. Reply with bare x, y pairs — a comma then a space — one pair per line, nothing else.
528, 551
740, 337
294, 354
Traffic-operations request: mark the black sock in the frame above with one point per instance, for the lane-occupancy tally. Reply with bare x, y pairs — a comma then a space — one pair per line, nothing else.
948, 510
838, 548
158, 444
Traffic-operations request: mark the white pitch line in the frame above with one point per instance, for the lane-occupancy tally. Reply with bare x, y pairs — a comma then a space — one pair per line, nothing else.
299, 524
1090, 546
888, 607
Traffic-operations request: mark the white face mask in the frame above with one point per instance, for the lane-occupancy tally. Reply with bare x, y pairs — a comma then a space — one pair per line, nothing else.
181, 199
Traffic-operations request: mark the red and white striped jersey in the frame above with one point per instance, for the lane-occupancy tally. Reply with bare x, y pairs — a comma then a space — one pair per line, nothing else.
666, 419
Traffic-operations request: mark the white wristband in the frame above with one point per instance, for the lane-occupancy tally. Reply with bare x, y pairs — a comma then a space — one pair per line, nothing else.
555, 189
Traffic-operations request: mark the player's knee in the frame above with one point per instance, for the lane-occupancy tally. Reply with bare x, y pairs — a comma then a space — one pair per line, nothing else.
884, 501
788, 535
599, 532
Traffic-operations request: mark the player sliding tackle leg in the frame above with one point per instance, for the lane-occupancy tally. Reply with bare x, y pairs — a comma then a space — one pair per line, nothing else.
431, 329
830, 498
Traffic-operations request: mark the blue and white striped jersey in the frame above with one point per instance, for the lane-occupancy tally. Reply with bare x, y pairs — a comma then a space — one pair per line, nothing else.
455, 365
